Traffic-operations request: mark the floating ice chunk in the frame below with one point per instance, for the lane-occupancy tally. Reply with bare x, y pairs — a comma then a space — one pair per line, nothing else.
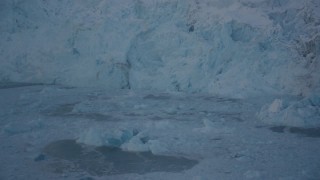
93, 136
171, 110
157, 147
163, 125
135, 144
97, 136
140, 106
210, 126
126, 139
275, 106
19, 127
251, 174
207, 123
303, 113
314, 100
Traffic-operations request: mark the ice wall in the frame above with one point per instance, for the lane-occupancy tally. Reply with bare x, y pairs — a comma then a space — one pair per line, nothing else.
230, 47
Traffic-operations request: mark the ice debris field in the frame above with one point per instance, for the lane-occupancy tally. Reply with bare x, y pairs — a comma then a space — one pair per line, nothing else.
160, 89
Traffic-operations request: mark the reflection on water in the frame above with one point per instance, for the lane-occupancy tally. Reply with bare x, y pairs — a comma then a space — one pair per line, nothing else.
73, 157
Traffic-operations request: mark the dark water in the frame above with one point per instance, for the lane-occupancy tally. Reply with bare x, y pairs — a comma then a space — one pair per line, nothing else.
65, 110
69, 156
308, 132
8, 85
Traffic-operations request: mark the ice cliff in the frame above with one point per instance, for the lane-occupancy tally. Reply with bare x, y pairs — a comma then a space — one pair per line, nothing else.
231, 47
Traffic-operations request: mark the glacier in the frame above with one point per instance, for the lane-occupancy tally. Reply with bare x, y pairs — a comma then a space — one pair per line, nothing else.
231, 48
159, 89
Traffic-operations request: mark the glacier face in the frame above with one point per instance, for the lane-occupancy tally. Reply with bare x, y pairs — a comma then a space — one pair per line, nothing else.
232, 48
